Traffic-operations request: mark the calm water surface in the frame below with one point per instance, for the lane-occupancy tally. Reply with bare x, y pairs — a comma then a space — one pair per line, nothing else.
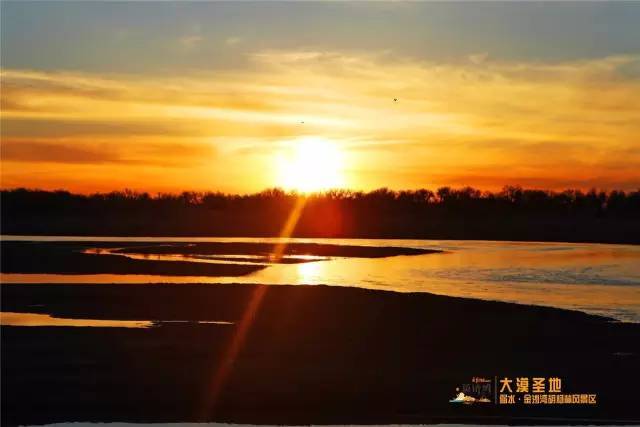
35, 319
594, 278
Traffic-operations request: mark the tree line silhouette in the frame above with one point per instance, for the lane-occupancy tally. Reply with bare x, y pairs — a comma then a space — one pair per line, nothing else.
448, 213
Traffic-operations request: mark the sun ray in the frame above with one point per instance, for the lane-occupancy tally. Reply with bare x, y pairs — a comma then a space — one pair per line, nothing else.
227, 361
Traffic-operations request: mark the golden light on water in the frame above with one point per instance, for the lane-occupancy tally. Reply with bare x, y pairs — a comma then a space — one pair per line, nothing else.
313, 164
309, 272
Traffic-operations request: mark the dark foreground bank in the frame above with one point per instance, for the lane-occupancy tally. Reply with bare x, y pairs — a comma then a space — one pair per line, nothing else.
311, 354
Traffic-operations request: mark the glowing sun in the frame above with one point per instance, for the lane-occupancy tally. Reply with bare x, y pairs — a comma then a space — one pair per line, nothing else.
314, 164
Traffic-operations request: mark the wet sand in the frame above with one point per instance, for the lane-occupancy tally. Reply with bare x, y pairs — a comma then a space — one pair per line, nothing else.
254, 248
70, 257
312, 354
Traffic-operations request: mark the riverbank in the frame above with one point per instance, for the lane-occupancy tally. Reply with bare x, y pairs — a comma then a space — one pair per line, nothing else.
310, 354
226, 259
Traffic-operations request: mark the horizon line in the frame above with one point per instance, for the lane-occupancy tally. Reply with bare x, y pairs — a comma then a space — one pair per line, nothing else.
298, 193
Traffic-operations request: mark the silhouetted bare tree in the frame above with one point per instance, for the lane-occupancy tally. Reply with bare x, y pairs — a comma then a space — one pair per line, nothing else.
513, 213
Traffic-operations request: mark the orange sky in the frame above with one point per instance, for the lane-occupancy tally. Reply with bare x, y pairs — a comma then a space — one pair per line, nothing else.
474, 120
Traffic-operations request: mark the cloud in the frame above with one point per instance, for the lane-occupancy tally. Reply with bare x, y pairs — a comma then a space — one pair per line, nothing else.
476, 119
478, 58
25, 151
71, 152
232, 41
190, 42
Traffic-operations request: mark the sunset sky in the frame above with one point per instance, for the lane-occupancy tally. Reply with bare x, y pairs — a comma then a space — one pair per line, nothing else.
239, 97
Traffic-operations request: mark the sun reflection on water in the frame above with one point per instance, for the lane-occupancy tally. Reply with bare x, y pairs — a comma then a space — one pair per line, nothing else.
309, 273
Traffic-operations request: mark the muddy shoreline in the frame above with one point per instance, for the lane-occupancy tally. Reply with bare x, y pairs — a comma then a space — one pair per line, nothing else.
311, 354
71, 257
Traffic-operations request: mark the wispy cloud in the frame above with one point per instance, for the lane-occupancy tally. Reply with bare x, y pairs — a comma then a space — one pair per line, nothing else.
91, 153
190, 42
480, 119
232, 41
